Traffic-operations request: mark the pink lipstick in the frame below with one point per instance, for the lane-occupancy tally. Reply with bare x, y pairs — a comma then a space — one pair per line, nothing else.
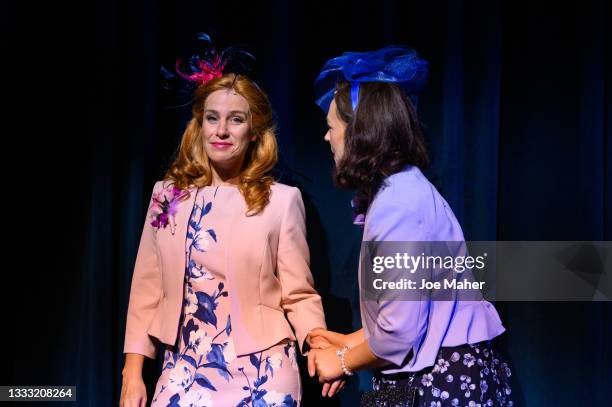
221, 145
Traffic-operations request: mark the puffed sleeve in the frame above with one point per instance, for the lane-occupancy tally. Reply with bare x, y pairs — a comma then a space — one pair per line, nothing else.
145, 293
396, 327
301, 303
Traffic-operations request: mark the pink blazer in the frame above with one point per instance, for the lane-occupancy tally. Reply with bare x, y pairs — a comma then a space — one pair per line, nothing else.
267, 273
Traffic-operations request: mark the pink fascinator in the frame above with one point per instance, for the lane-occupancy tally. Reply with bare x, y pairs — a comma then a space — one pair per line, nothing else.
210, 64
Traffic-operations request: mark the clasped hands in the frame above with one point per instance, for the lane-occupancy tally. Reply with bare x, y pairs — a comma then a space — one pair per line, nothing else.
323, 360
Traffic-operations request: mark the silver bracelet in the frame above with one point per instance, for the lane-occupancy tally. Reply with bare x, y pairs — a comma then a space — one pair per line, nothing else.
340, 353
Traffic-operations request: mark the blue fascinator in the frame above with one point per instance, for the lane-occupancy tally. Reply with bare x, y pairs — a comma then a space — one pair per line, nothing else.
394, 64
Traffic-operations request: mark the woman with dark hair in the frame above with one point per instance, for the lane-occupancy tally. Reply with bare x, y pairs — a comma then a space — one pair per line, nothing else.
425, 352
222, 279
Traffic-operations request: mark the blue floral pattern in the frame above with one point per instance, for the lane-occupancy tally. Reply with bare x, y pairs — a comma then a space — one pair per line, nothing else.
204, 369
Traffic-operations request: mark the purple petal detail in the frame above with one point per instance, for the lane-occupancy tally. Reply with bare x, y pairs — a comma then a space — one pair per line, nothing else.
359, 219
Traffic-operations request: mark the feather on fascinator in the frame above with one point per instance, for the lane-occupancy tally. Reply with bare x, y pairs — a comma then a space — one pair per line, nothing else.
393, 64
206, 65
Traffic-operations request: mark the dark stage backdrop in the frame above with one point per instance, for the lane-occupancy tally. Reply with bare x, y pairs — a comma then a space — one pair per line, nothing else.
517, 112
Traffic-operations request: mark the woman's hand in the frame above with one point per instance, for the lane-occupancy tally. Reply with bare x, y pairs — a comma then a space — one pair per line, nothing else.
325, 363
317, 342
331, 388
337, 339
133, 392
133, 389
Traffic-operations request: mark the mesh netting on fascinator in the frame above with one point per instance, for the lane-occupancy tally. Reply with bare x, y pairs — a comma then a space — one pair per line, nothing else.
204, 66
393, 64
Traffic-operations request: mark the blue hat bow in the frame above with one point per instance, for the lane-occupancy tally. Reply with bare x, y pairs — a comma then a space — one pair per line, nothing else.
392, 64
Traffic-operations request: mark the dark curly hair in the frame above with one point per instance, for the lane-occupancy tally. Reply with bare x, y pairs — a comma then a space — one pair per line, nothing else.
382, 136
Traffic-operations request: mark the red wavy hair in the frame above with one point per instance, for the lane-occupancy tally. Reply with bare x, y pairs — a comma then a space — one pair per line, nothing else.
192, 166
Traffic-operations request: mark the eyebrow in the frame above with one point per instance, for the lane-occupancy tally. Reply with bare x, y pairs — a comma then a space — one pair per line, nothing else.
232, 112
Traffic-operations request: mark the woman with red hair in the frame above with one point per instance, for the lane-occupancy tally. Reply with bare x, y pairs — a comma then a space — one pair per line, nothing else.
222, 278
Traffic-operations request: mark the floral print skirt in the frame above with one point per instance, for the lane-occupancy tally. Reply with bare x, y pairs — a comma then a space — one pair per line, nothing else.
204, 370
268, 378
470, 375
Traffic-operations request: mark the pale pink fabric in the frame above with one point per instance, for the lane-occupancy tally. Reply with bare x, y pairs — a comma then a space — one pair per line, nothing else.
203, 370
267, 264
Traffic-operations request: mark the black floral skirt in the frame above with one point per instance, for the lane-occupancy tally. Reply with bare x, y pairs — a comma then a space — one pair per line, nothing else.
468, 375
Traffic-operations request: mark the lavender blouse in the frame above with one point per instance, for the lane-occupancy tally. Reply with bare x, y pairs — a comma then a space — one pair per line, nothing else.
409, 208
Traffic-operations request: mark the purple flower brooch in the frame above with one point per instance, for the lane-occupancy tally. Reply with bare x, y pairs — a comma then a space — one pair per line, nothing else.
164, 207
